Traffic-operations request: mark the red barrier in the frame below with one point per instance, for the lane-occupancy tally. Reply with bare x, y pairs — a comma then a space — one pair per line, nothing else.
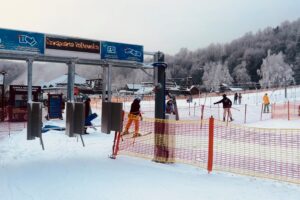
210, 145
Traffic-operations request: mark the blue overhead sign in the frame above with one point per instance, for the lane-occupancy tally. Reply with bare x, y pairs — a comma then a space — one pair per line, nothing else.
11, 40
123, 52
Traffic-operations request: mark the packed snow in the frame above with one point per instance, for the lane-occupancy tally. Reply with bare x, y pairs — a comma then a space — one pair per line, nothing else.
67, 170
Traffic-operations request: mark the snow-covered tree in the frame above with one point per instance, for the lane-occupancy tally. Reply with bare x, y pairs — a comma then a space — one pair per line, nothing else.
215, 74
274, 71
240, 73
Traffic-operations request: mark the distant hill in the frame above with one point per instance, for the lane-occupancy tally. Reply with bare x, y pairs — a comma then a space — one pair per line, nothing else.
251, 48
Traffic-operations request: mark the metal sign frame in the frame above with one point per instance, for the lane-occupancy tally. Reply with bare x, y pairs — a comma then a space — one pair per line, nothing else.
71, 62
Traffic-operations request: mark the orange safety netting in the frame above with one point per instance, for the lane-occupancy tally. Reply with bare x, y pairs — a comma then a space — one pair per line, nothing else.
287, 110
7, 128
211, 144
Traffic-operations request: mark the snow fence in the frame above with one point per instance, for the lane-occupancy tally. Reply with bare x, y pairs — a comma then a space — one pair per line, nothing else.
215, 145
288, 110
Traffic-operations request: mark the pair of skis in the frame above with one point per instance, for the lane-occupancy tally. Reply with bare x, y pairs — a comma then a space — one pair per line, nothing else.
131, 135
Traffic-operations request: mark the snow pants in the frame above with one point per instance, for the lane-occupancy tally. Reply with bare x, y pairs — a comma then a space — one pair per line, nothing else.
266, 108
135, 119
227, 111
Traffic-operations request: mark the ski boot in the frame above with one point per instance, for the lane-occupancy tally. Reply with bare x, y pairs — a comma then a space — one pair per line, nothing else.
126, 132
137, 135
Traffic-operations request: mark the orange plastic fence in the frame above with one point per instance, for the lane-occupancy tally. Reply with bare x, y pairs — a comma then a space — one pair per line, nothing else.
287, 110
267, 153
7, 128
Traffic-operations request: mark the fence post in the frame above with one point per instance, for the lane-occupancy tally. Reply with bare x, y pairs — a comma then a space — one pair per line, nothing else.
202, 113
262, 105
288, 104
115, 148
219, 112
245, 118
274, 110
210, 145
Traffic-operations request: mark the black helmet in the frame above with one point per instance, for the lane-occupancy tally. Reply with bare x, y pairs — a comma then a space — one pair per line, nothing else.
224, 95
137, 99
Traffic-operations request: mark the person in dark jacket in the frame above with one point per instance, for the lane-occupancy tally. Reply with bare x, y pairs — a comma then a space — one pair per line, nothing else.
226, 106
170, 107
87, 107
134, 116
87, 111
240, 98
235, 98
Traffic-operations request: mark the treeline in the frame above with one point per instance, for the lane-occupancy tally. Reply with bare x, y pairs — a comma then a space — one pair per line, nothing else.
268, 58
241, 56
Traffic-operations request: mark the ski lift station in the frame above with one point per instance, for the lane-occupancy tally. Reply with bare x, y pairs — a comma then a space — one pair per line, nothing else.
34, 47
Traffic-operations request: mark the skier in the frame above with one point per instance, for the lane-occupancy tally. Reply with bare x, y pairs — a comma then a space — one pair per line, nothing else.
240, 98
226, 106
266, 103
170, 107
134, 116
235, 98
87, 112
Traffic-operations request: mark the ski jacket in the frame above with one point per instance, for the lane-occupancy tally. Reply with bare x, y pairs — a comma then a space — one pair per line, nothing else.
236, 96
170, 108
87, 107
135, 107
266, 99
225, 101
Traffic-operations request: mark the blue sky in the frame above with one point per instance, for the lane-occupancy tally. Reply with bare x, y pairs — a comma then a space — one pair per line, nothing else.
165, 25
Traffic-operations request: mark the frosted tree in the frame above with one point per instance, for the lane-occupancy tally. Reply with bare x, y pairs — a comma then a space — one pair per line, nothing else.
274, 71
240, 74
215, 74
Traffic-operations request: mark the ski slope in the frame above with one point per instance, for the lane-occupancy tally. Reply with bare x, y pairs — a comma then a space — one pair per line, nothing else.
68, 171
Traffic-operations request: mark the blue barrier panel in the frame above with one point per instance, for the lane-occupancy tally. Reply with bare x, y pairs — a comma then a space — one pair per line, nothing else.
55, 106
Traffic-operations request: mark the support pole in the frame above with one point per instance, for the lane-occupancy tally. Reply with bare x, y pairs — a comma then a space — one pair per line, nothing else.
104, 84
161, 152
70, 106
71, 80
3, 96
109, 83
160, 85
29, 79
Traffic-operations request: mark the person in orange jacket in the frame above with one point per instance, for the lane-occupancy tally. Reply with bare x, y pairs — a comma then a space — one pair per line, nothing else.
134, 116
266, 102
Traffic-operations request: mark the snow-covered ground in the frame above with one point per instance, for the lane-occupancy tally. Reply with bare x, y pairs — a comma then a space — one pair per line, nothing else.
68, 171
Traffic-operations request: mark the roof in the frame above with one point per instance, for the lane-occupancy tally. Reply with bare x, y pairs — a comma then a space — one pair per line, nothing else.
144, 90
63, 80
133, 86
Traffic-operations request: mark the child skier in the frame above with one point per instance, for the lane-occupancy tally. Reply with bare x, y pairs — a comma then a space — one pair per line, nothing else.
134, 116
